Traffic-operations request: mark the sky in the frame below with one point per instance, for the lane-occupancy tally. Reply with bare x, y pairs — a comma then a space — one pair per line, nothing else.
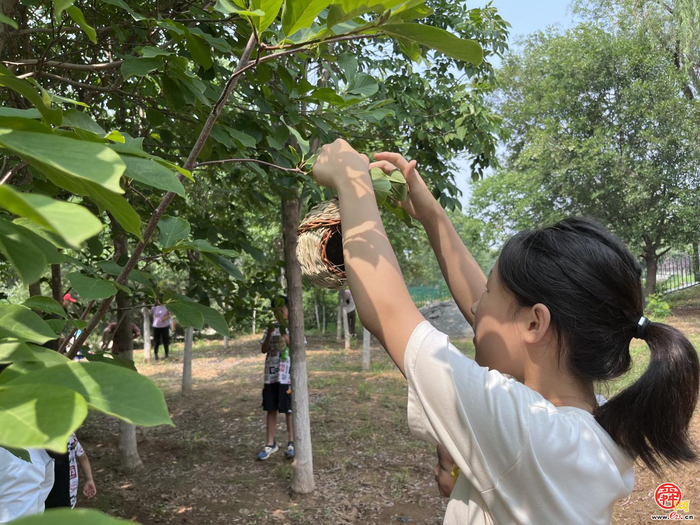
525, 17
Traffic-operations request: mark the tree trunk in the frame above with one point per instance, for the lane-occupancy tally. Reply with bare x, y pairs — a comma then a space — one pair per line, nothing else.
7, 7
254, 314
365, 349
187, 361
146, 334
56, 291
696, 262
652, 260
339, 325
302, 467
226, 342
318, 320
323, 328
346, 329
35, 289
128, 452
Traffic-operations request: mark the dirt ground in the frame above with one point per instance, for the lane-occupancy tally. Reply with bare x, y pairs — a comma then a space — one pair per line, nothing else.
368, 468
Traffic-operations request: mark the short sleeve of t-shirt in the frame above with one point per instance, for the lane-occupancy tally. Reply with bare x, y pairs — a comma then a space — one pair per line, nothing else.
480, 416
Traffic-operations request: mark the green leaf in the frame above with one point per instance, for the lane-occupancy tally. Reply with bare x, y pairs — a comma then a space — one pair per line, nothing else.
439, 39
81, 120
172, 230
381, 185
123, 5
202, 245
20, 113
400, 213
226, 7
152, 174
19, 352
21, 453
271, 8
4, 19
72, 517
118, 206
114, 390
89, 288
200, 50
213, 319
110, 359
140, 67
327, 94
38, 416
303, 143
245, 140
187, 314
300, 14
27, 259
67, 156
77, 15
45, 304
24, 88
225, 265
72, 222
59, 6
348, 63
152, 52
364, 85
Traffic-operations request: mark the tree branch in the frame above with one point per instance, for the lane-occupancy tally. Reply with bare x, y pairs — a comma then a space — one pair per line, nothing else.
256, 161
75, 82
66, 65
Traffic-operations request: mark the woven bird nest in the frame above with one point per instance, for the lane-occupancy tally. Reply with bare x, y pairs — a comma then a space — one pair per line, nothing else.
320, 246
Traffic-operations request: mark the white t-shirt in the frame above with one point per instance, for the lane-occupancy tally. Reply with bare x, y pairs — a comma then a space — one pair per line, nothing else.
522, 459
75, 450
24, 486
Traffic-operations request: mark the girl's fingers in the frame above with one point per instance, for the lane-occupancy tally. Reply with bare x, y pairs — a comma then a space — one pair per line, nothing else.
395, 158
385, 166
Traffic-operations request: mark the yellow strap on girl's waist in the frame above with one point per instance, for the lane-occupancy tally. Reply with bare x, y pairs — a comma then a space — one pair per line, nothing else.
455, 472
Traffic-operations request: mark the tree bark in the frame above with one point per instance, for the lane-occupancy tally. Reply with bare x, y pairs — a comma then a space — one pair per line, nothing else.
7, 7
318, 320
346, 329
146, 334
35, 289
226, 342
187, 361
302, 467
339, 324
696, 262
128, 451
56, 291
323, 328
365, 349
254, 315
652, 260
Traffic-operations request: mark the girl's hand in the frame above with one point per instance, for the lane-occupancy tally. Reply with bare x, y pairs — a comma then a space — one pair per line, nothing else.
338, 163
420, 203
89, 489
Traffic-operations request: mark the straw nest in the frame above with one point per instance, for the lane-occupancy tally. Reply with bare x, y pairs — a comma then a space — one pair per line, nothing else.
320, 246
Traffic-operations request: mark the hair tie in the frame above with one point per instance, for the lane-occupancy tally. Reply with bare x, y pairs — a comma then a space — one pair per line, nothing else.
642, 325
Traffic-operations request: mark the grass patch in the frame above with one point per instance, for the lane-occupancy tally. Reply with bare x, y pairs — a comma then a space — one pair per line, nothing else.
689, 298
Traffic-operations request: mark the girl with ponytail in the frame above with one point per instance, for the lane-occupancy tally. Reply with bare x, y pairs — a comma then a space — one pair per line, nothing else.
533, 442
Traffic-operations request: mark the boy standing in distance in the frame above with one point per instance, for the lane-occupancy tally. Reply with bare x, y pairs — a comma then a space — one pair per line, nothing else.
277, 392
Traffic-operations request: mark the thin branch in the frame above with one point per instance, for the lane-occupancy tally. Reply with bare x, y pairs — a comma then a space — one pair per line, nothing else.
10, 173
137, 192
66, 65
256, 161
72, 333
76, 83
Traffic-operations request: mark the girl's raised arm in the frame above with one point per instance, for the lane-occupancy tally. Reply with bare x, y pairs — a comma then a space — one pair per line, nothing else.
374, 276
462, 273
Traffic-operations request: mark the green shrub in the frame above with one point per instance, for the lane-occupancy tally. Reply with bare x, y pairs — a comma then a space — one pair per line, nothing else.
656, 307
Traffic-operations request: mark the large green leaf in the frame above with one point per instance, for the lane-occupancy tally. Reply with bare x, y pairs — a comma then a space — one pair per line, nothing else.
439, 39
4, 19
153, 174
110, 359
271, 8
172, 230
200, 50
27, 259
229, 8
89, 288
88, 161
70, 517
39, 415
122, 4
225, 265
81, 120
187, 314
202, 245
140, 67
364, 85
118, 206
21, 323
300, 14
45, 304
71, 221
213, 319
24, 88
77, 15
114, 390
18, 352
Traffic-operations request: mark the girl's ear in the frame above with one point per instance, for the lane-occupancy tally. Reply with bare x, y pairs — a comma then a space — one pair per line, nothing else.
538, 319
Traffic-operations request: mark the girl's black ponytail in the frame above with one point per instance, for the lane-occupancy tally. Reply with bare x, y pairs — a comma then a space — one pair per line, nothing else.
592, 286
650, 418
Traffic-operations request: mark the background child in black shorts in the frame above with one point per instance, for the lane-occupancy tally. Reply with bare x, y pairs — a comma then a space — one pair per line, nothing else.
277, 392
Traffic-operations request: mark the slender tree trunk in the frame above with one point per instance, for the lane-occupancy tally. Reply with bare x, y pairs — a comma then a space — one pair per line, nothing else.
365, 349
146, 334
318, 320
303, 467
35, 289
339, 325
187, 361
323, 328
56, 291
652, 260
254, 315
346, 329
696, 262
226, 342
128, 451
7, 7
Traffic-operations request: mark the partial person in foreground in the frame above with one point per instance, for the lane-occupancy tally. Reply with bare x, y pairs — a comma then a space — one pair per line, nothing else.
556, 314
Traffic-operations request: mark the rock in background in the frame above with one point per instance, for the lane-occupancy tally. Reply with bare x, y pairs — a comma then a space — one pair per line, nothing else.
446, 317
